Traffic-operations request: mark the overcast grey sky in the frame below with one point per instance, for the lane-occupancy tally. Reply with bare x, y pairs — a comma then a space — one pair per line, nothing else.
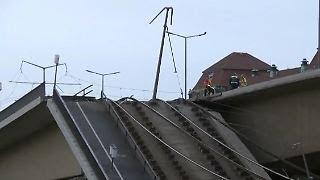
108, 36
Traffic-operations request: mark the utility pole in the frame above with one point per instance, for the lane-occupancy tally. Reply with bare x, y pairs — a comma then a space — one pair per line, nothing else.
102, 79
185, 56
167, 9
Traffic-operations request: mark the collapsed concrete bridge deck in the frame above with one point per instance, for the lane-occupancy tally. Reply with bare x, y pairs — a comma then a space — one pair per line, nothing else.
88, 138
69, 137
280, 117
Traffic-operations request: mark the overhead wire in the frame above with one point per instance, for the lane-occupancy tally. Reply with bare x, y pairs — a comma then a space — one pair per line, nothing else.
174, 64
17, 76
118, 87
142, 90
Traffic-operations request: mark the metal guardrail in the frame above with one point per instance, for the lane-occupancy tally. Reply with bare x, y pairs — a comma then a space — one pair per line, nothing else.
39, 91
70, 120
84, 91
132, 142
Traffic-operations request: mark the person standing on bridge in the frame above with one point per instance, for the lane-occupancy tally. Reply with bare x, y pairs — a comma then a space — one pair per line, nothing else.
234, 81
243, 81
208, 86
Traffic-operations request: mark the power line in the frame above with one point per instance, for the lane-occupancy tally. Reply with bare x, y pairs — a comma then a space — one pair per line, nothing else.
142, 90
174, 64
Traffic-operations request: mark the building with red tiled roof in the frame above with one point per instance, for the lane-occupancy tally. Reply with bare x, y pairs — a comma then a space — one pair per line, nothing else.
245, 64
315, 62
252, 68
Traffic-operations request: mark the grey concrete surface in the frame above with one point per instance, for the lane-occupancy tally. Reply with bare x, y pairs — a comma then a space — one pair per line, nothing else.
88, 134
233, 142
22, 123
182, 142
158, 155
281, 116
75, 142
43, 155
106, 129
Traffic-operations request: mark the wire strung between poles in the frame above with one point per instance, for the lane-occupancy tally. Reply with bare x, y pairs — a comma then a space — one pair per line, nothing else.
174, 64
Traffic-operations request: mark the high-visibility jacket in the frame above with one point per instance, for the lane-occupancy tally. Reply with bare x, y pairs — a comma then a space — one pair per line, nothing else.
243, 81
207, 82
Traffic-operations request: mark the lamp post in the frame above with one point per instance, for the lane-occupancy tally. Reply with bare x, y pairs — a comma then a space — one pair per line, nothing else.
185, 56
102, 79
44, 68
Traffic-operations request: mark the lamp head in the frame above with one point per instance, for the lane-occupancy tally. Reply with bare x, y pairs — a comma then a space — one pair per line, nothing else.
56, 58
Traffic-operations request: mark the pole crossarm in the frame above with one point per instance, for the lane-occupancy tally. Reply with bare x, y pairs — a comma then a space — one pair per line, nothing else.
102, 78
111, 73
187, 37
95, 72
185, 54
176, 34
44, 68
197, 35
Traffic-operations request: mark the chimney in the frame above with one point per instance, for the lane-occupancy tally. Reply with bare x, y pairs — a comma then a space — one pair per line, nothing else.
304, 65
273, 71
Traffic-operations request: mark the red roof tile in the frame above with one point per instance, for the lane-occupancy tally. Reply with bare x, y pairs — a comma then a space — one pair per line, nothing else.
238, 60
244, 63
240, 63
315, 63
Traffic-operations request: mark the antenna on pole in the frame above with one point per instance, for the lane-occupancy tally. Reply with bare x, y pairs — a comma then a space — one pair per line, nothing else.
167, 10
56, 61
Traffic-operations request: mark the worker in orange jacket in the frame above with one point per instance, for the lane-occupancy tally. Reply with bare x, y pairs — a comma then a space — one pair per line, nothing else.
208, 87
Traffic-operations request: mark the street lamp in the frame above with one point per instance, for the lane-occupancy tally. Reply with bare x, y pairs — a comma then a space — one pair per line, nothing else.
42, 67
102, 79
185, 56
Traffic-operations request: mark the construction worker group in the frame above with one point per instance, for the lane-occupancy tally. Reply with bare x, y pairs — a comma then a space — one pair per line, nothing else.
234, 81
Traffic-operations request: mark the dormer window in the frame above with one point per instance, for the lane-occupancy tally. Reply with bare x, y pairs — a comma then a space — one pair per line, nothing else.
254, 72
